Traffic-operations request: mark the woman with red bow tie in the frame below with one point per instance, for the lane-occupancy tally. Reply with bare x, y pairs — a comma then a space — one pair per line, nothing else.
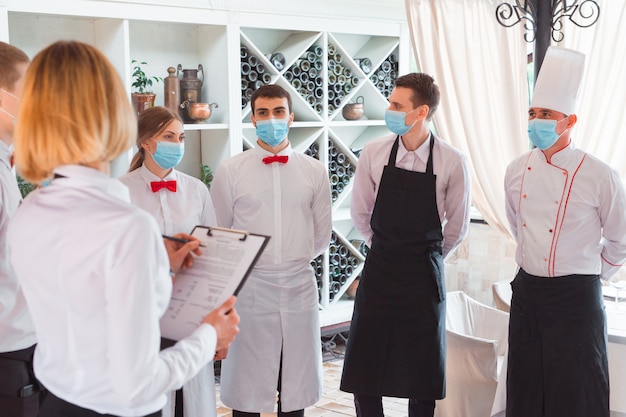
178, 202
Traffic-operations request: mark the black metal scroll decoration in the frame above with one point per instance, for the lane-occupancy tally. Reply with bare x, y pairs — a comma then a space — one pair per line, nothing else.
583, 14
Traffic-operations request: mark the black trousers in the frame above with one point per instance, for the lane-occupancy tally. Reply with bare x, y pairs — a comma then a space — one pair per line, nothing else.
54, 406
281, 413
372, 406
20, 392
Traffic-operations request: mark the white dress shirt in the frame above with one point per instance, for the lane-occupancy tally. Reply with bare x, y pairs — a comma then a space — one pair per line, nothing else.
95, 274
452, 185
252, 196
174, 212
16, 327
567, 216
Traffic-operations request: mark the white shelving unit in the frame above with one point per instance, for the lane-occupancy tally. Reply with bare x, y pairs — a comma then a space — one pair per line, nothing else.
167, 33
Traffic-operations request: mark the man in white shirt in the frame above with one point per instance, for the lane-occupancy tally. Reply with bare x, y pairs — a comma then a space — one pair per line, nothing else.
410, 201
19, 390
567, 212
275, 191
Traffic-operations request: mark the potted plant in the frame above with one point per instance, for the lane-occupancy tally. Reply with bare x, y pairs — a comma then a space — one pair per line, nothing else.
143, 96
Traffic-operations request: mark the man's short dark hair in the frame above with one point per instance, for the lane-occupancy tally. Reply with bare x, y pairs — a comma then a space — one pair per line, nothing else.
425, 91
270, 91
10, 58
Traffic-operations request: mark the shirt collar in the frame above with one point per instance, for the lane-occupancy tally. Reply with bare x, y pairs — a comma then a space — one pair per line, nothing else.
78, 176
561, 157
263, 153
422, 152
5, 153
149, 177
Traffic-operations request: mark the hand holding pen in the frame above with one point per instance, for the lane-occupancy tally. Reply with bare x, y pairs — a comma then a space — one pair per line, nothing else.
179, 249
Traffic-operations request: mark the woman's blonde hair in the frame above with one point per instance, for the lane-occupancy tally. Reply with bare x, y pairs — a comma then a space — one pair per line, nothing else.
74, 110
152, 121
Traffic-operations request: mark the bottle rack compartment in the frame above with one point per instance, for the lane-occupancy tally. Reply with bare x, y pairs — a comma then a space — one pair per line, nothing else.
340, 170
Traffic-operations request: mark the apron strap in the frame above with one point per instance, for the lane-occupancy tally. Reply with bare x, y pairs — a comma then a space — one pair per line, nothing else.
394, 154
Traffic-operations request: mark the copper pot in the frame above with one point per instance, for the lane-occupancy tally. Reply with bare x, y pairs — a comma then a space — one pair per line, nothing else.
198, 112
354, 111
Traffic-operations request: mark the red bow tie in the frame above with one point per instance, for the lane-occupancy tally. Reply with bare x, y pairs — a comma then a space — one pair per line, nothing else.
276, 158
157, 185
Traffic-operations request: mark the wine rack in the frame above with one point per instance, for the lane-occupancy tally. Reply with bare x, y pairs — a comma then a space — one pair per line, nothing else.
305, 76
340, 170
386, 75
253, 74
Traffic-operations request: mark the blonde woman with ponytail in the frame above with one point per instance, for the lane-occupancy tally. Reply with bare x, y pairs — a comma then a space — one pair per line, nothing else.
95, 271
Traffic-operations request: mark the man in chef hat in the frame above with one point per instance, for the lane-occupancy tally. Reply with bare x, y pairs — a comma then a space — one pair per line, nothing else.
567, 212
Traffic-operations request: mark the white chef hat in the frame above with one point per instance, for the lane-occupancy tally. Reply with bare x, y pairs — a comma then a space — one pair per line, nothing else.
558, 83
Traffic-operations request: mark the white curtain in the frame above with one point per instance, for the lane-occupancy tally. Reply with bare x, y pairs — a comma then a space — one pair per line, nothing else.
480, 68
601, 107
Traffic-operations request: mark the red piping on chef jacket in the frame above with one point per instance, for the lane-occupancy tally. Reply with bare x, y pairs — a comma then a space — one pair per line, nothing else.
555, 237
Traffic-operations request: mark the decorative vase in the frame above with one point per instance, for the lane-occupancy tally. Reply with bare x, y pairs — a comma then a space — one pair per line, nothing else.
142, 101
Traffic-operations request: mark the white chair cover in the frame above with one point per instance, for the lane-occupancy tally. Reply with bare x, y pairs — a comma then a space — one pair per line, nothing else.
477, 337
502, 294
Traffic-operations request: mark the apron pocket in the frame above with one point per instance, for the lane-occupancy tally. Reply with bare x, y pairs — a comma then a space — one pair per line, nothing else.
435, 260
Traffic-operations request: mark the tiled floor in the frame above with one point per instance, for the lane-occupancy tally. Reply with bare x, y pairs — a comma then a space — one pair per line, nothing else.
334, 403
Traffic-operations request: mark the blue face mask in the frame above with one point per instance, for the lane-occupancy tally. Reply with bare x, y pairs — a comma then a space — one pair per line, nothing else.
395, 121
272, 131
542, 133
168, 154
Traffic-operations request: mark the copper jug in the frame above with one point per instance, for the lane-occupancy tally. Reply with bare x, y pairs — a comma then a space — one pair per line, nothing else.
190, 87
171, 83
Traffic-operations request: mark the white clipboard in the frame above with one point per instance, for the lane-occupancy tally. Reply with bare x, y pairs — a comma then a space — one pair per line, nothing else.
227, 259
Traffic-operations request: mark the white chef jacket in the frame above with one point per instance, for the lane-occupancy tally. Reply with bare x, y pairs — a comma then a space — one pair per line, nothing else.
95, 274
568, 216
16, 327
176, 212
278, 305
452, 185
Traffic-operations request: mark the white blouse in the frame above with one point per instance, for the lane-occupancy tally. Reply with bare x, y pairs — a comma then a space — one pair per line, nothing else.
289, 202
174, 212
567, 216
96, 277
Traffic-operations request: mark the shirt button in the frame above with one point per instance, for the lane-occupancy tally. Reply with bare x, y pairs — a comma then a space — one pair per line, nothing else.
545, 259
524, 225
550, 230
524, 196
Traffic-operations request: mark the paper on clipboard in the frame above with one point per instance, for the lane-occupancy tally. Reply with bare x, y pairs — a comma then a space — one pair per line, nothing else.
227, 259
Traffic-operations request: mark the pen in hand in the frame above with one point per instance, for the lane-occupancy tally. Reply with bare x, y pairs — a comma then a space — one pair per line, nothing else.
179, 240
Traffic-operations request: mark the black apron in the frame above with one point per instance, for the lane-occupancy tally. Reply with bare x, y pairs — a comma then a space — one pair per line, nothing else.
396, 345
557, 365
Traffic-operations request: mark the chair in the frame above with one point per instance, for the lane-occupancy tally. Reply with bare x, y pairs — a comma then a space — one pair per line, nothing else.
477, 340
502, 294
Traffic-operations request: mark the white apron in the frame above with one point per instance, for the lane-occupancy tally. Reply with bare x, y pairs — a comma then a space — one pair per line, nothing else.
198, 395
278, 310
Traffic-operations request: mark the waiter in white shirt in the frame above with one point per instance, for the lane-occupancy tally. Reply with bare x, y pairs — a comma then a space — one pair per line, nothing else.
410, 202
178, 202
275, 191
19, 390
567, 212
94, 269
